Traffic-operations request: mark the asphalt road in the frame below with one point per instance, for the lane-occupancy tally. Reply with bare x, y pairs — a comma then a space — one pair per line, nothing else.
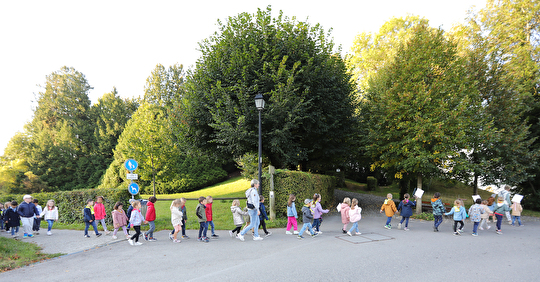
378, 254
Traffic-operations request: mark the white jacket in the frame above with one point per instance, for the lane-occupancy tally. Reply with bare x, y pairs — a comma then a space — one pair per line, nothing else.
237, 213
47, 214
355, 215
176, 216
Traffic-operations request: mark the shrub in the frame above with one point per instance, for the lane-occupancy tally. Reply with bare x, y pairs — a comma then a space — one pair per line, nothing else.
372, 183
71, 203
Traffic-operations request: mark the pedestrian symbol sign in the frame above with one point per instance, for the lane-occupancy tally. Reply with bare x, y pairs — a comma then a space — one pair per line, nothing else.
131, 164
133, 188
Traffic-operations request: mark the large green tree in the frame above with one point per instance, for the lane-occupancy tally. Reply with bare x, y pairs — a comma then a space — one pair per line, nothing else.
308, 118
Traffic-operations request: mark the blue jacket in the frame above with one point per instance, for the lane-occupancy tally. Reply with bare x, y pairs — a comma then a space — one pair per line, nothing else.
405, 208
458, 215
262, 209
27, 209
291, 211
88, 215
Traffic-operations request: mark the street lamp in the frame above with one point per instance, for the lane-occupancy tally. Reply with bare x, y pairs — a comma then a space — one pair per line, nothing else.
259, 103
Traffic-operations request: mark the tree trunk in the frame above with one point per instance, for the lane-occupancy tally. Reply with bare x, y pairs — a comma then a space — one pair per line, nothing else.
475, 184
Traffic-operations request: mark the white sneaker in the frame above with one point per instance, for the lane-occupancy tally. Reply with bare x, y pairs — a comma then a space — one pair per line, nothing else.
49, 233
489, 227
114, 237
349, 233
358, 233
288, 232
230, 233
240, 237
481, 228
130, 242
258, 238
295, 232
138, 243
107, 232
399, 226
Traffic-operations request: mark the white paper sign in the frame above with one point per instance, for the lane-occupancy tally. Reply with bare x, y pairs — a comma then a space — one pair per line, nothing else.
517, 198
474, 197
419, 193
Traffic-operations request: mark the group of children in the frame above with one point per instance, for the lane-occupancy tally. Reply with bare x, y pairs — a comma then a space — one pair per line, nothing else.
30, 213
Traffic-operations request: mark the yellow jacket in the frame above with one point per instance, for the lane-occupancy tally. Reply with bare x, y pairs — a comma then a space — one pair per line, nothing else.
389, 207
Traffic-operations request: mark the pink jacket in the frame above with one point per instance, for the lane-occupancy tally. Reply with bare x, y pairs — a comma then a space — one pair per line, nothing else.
343, 208
119, 218
99, 211
355, 215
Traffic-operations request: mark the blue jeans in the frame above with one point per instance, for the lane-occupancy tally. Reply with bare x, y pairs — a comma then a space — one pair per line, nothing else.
406, 221
438, 220
388, 220
210, 224
150, 231
254, 223
308, 226
317, 223
87, 225
1, 224
14, 230
354, 227
203, 227
50, 223
514, 217
499, 221
475, 227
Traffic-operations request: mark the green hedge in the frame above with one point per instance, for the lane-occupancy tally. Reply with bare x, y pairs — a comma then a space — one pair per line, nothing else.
71, 203
301, 184
372, 183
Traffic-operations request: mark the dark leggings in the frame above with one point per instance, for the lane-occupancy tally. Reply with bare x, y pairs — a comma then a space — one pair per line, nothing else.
263, 224
237, 229
460, 224
137, 233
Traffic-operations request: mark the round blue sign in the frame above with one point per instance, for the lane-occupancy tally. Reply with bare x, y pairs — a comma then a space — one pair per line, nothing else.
131, 164
133, 188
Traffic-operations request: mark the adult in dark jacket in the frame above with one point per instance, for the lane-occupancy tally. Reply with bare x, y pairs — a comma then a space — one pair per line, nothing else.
405, 209
27, 210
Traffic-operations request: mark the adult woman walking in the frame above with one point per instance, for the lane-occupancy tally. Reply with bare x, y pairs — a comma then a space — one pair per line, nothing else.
253, 210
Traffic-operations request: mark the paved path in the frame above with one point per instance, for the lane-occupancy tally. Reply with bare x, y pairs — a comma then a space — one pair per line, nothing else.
416, 255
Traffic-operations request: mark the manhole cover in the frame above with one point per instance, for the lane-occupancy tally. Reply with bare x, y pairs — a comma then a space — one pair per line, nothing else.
365, 238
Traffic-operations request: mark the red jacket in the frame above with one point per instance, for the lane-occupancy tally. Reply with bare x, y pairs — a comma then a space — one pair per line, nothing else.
99, 211
208, 211
150, 211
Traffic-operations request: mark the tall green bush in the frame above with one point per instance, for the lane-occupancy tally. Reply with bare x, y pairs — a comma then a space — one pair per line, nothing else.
303, 185
371, 183
71, 203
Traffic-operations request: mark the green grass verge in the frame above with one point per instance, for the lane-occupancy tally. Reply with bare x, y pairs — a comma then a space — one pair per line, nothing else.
15, 254
234, 187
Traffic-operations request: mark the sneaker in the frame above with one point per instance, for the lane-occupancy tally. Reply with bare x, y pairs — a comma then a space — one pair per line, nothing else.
456, 233
177, 241
512, 224
86, 236
114, 237
146, 237
460, 230
49, 233
30, 235
127, 237
499, 232
349, 233
231, 234
314, 235
171, 237
345, 232
206, 240
152, 239
300, 237
489, 227
319, 232
107, 232
481, 228
387, 227
295, 232
399, 226
258, 238
475, 234
185, 237
358, 233
240, 237
138, 243
268, 234
215, 236
99, 234
288, 232
130, 242
436, 229
25, 236
406, 229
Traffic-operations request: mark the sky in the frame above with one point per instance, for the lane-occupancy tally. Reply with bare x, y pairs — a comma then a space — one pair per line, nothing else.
119, 43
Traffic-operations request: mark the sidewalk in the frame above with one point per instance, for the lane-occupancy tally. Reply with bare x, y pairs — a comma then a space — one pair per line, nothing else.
418, 254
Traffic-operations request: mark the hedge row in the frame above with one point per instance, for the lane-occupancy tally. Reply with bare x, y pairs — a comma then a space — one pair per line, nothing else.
303, 185
71, 203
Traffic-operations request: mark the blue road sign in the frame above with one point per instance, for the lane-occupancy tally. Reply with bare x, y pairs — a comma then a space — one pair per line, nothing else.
131, 164
133, 188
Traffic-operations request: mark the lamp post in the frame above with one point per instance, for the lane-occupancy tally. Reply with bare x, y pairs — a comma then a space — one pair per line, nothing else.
259, 103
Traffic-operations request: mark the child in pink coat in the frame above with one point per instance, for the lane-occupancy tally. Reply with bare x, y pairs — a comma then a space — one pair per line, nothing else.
100, 213
343, 208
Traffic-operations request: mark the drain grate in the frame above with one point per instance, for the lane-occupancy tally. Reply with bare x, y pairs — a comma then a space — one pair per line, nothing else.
365, 238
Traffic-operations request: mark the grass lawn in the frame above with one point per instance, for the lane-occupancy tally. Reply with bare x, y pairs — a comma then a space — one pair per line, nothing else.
14, 254
232, 188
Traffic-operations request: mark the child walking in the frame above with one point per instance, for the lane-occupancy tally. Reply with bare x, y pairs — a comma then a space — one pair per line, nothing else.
136, 220
201, 214
37, 218
238, 220
263, 216
475, 213
317, 212
459, 215
343, 208
150, 217
100, 213
209, 219
7, 206
50, 214
484, 217
405, 208
176, 218
120, 219
292, 215
13, 219
438, 210
355, 216
307, 216
89, 218
389, 208
516, 212
499, 210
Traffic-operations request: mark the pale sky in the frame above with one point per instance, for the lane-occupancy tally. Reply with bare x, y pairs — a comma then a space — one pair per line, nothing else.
118, 43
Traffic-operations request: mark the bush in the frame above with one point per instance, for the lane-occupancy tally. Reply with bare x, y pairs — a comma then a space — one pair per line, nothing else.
372, 183
71, 203
301, 184
424, 216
